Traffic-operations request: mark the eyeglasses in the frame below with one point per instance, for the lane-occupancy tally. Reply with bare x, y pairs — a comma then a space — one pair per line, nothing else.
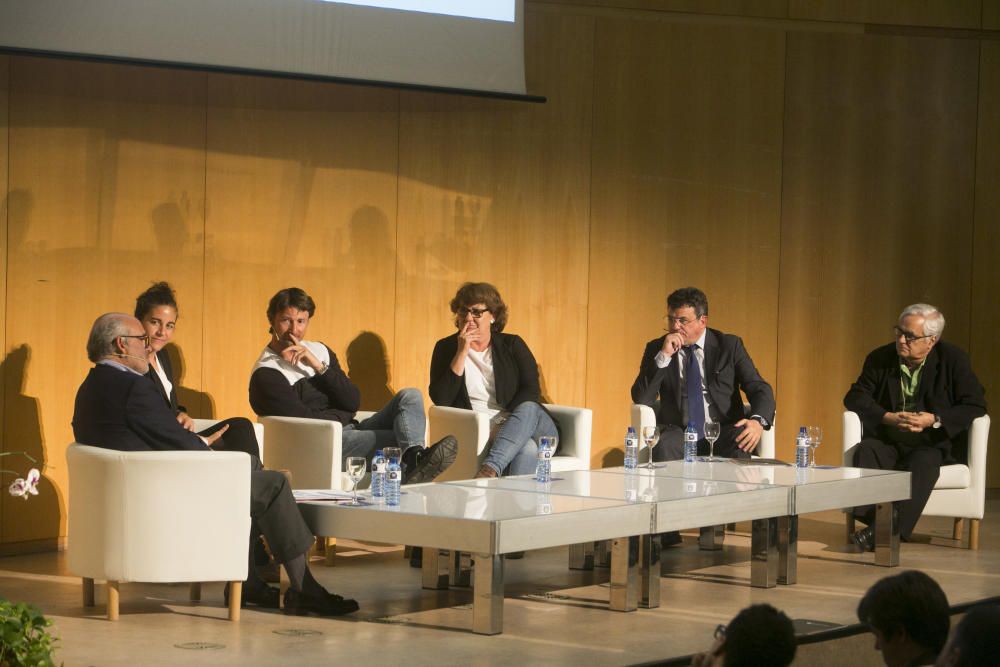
476, 312
143, 337
907, 336
683, 321
720, 632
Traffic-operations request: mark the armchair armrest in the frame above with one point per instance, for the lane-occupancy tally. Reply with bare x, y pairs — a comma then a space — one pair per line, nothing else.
979, 434
576, 429
471, 429
311, 449
852, 436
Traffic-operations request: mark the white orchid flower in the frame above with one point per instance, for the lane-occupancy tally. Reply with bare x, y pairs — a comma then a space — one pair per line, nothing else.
19, 488
31, 483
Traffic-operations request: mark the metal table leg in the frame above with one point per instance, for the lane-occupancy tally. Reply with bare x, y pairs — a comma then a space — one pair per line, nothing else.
460, 565
625, 573
764, 553
649, 572
602, 553
581, 556
886, 536
710, 538
487, 595
434, 570
788, 549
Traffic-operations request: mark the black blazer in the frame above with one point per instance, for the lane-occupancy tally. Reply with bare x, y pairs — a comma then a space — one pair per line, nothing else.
728, 369
117, 409
515, 373
948, 388
164, 359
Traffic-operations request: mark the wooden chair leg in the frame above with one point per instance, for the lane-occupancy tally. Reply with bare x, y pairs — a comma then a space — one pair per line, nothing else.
88, 592
956, 530
195, 591
974, 534
113, 600
235, 593
330, 554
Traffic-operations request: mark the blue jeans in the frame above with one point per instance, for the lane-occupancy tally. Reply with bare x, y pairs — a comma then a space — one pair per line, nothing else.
401, 423
515, 447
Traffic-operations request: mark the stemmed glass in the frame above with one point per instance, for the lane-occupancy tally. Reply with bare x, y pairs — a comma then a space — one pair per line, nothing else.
712, 432
815, 437
355, 470
651, 436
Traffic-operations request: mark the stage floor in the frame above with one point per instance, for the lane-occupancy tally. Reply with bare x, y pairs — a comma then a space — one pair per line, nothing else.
551, 614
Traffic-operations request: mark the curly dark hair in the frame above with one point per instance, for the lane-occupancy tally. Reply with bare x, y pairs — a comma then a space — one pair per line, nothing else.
470, 294
159, 294
290, 297
689, 296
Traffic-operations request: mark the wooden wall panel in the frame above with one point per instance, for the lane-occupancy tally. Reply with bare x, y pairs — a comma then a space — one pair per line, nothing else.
5, 462
686, 191
985, 270
753, 8
876, 208
950, 14
106, 184
302, 192
991, 14
497, 191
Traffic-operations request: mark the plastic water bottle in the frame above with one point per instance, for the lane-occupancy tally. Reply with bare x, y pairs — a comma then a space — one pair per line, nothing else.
543, 471
631, 449
802, 448
379, 465
393, 478
690, 443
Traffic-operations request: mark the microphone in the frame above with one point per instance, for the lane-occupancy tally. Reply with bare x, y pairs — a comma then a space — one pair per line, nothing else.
132, 356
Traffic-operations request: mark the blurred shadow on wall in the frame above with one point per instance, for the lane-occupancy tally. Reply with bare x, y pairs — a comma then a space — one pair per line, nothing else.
38, 518
170, 228
368, 368
17, 208
197, 404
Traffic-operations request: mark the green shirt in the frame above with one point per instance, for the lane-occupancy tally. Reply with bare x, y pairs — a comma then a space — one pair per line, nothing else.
909, 381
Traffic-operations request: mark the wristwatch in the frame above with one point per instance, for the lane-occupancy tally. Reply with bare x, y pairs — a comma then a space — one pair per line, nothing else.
323, 369
937, 422
760, 420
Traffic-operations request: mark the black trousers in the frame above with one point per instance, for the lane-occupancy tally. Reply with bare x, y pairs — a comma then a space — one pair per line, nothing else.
276, 516
239, 438
921, 459
671, 447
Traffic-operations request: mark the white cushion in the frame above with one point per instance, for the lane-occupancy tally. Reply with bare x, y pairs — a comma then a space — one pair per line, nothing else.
955, 476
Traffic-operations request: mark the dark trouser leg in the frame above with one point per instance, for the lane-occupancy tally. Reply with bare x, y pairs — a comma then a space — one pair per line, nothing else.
924, 464
671, 445
239, 438
274, 511
874, 454
726, 444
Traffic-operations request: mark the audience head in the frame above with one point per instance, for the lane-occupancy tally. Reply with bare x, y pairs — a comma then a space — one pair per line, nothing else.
908, 614
288, 312
687, 313
918, 329
758, 636
482, 295
974, 642
156, 309
121, 338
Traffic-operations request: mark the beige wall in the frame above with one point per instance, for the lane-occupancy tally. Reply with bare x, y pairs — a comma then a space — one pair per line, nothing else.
813, 166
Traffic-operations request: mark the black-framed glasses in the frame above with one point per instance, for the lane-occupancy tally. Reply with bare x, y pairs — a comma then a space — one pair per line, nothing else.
907, 336
143, 337
475, 312
683, 321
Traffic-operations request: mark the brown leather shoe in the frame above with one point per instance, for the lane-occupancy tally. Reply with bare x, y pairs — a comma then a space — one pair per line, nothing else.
486, 471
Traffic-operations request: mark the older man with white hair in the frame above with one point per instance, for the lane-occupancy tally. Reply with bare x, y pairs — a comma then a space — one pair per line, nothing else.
916, 398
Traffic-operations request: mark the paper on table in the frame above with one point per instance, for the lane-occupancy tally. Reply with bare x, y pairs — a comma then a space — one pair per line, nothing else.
320, 494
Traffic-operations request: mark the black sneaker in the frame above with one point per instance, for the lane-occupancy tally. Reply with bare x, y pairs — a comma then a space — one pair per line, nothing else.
864, 539
298, 603
260, 595
432, 461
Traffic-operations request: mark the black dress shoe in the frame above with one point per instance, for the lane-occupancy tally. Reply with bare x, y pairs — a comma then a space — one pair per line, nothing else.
431, 462
266, 597
864, 539
298, 603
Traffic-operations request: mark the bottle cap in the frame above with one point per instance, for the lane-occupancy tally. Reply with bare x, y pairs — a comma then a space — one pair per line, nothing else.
378, 452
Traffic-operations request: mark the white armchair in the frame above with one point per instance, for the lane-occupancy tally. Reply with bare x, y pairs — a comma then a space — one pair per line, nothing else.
258, 429
472, 430
310, 449
179, 516
960, 491
643, 415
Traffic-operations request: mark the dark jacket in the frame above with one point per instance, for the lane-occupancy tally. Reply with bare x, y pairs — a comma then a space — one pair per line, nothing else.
117, 409
331, 396
728, 369
948, 388
164, 360
515, 373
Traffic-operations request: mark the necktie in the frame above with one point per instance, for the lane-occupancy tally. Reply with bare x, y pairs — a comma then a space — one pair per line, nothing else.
692, 381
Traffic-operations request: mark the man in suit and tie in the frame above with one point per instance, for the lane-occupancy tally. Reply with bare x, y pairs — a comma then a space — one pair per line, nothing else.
697, 373
916, 398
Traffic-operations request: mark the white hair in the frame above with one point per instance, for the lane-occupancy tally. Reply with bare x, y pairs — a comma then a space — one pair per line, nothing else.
106, 328
933, 318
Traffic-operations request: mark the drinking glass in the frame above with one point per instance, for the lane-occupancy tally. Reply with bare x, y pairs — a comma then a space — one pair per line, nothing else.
814, 434
355, 470
712, 432
650, 435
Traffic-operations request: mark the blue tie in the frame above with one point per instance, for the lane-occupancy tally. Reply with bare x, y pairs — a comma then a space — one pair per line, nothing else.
696, 403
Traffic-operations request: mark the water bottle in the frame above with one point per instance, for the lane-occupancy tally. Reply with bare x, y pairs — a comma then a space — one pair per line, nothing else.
378, 474
802, 448
543, 471
393, 478
631, 449
690, 443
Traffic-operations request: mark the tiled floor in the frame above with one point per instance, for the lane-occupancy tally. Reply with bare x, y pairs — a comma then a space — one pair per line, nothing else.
551, 614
